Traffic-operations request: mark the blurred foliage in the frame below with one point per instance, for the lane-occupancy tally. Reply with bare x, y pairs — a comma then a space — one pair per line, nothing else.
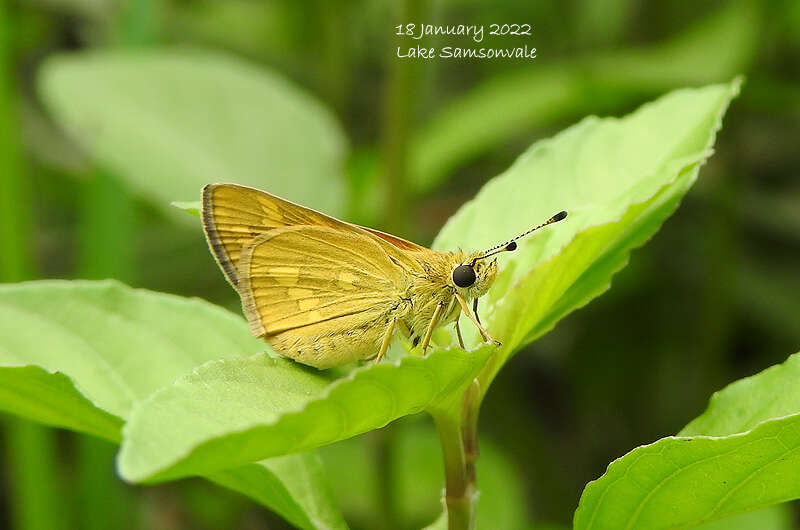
714, 297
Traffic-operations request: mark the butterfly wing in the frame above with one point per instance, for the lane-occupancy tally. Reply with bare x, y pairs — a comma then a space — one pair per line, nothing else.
233, 216
320, 295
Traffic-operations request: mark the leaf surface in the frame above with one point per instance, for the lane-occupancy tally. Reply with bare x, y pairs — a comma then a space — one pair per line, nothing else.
741, 454
169, 121
230, 412
618, 179
79, 355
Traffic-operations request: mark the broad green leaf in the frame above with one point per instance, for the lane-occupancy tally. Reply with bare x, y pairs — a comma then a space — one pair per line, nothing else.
618, 179
169, 121
230, 412
116, 344
298, 484
742, 405
51, 398
739, 455
777, 517
682, 481
505, 106
80, 354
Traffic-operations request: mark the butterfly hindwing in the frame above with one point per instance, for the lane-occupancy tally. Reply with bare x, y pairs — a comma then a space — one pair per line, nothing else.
312, 290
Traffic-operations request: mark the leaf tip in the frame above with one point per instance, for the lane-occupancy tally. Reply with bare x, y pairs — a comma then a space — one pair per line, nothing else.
192, 207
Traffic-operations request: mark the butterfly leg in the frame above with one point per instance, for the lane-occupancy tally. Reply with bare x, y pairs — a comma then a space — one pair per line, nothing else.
437, 313
458, 332
387, 339
465, 309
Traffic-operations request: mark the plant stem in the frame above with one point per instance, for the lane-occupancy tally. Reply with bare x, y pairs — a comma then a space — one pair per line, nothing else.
107, 248
399, 97
470, 407
35, 489
16, 256
384, 448
457, 428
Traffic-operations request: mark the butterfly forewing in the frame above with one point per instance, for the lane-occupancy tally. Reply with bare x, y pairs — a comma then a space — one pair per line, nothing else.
234, 216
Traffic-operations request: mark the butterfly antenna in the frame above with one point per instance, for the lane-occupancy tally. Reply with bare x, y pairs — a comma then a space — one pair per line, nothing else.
511, 244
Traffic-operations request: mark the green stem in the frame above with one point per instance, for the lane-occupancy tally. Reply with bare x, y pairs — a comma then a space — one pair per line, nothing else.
16, 262
32, 452
470, 407
457, 426
398, 101
399, 98
384, 449
37, 491
107, 246
333, 78
107, 230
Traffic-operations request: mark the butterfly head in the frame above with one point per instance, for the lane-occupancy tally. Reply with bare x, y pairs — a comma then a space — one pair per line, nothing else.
477, 273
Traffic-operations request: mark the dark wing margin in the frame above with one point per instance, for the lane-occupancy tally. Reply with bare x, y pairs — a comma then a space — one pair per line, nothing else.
213, 237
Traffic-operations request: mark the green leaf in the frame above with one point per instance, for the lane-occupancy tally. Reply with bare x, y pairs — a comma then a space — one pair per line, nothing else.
618, 179
230, 412
742, 405
681, 481
169, 121
51, 398
80, 354
712, 50
192, 207
778, 517
116, 344
295, 486
742, 453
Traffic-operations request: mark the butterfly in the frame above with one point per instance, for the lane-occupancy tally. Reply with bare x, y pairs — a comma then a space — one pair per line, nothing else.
325, 292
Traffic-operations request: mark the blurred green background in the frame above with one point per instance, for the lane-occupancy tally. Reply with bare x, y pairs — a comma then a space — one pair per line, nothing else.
398, 145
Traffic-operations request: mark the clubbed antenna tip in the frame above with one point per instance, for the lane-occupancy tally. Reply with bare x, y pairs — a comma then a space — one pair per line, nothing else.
511, 245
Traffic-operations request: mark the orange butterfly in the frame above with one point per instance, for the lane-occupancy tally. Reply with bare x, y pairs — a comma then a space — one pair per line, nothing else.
325, 292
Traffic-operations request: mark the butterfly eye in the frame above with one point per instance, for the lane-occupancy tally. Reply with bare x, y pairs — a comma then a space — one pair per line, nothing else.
463, 276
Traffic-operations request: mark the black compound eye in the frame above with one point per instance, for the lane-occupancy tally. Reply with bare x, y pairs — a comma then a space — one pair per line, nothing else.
463, 275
